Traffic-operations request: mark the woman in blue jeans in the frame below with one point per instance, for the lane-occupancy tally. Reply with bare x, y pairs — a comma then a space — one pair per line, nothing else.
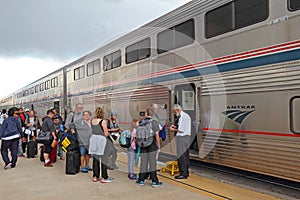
10, 133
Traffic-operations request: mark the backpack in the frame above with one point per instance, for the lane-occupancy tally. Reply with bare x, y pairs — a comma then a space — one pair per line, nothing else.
68, 142
144, 134
163, 133
163, 130
125, 139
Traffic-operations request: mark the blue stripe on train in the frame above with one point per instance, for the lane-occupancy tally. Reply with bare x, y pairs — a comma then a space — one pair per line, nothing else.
236, 65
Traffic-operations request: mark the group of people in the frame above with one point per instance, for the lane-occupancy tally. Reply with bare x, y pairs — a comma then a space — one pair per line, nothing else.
14, 124
96, 137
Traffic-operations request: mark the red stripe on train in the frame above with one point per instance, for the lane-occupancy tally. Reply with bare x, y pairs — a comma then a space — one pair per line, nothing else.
252, 132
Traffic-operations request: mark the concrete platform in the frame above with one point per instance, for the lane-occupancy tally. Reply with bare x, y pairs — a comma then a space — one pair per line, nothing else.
30, 180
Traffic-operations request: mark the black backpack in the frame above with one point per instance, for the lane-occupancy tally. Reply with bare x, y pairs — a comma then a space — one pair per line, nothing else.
144, 133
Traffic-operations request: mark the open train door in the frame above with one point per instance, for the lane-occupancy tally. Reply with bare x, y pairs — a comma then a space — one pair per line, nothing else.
56, 106
185, 95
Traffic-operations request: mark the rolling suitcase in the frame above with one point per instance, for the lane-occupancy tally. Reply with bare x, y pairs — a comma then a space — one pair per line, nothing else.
31, 149
72, 163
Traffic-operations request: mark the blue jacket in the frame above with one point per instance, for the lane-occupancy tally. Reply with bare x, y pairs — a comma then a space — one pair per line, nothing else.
10, 127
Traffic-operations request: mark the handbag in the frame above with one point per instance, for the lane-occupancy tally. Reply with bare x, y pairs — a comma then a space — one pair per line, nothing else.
44, 137
54, 144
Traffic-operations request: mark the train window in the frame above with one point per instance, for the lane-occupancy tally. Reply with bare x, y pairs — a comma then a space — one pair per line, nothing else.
42, 87
138, 51
54, 82
116, 59
294, 5
79, 73
176, 37
90, 69
250, 12
295, 114
93, 67
32, 90
107, 62
37, 88
112, 60
184, 34
235, 15
219, 21
97, 66
47, 85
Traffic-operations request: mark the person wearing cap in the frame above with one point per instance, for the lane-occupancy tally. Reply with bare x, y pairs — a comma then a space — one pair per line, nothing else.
26, 113
114, 132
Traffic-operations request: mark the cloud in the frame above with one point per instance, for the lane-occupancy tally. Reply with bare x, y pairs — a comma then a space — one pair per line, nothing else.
70, 28
18, 72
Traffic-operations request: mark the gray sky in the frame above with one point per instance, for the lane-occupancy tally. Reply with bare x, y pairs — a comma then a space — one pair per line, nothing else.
39, 36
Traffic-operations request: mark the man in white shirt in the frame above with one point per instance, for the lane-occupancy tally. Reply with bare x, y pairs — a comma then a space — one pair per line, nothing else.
183, 141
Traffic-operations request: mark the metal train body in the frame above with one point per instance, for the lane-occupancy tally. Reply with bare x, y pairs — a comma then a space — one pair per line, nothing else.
241, 87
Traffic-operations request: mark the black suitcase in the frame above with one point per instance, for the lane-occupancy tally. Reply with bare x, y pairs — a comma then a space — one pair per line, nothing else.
72, 163
31, 149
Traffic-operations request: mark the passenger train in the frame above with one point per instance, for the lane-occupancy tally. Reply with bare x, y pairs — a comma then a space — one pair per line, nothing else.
233, 65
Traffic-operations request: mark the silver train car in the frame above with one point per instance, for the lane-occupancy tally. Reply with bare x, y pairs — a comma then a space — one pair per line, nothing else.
232, 65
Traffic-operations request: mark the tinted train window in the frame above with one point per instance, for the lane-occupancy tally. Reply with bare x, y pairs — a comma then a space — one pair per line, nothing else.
32, 90
116, 59
294, 5
295, 115
37, 88
138, 51
54, 82
42, 86
47, 85
176, 37
112, 61
79, 73
235, 15
93, 67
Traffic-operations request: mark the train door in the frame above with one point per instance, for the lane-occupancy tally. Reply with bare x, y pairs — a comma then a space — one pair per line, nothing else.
56, 106
185, 95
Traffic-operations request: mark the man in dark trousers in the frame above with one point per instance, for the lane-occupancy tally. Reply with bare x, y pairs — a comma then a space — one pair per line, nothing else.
183, 141
48, 126
149, 153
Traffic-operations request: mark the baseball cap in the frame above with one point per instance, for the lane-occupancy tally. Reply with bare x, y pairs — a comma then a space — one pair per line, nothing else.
114, 113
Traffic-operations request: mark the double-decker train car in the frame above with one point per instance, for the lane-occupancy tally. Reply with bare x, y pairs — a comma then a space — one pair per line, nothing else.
43, 94
6, 102
233, 65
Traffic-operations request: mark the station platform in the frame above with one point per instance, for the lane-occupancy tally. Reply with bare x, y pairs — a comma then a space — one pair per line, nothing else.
31, 180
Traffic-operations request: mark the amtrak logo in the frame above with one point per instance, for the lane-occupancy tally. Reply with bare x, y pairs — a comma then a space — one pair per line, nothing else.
239, 113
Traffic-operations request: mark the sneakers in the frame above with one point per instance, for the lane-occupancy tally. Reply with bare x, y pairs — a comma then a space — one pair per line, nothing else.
48, 164
88, 168
84, 170
8, 166
95, 179
132, 176
156, 184
108, 180
141, 183
21, 156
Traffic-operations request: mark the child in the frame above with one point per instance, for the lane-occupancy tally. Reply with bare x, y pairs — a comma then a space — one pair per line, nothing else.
131, 150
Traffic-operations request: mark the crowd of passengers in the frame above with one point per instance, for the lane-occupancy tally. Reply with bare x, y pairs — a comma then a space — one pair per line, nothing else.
19, 127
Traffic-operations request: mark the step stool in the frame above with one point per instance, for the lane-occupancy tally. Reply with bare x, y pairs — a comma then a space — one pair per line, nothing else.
171, 166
